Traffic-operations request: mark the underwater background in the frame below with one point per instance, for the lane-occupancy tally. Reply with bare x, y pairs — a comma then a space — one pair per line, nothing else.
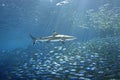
94, 55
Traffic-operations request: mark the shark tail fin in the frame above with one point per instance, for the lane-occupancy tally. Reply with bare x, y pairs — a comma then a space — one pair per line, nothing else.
34, 39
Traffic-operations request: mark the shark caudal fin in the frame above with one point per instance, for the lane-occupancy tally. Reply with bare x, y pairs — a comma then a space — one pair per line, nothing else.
34, 39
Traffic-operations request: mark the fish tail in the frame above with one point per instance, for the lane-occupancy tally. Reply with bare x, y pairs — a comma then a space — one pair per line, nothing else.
34, 39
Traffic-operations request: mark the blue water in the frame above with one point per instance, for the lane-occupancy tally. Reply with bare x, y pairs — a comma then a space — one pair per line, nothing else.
94, 55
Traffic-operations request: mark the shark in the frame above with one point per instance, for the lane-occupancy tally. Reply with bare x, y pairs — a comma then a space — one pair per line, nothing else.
55, 37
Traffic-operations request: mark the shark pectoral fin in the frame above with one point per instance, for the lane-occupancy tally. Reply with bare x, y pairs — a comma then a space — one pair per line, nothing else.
63, 41
48, 40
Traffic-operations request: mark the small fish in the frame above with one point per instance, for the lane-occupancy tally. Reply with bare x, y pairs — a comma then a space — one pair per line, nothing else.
62, 3
54, 38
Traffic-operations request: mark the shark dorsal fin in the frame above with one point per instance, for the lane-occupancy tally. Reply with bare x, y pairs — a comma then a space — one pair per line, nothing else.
55, 33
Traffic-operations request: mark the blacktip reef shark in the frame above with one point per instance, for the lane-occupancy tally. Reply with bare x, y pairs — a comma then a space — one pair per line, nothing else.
55, 37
